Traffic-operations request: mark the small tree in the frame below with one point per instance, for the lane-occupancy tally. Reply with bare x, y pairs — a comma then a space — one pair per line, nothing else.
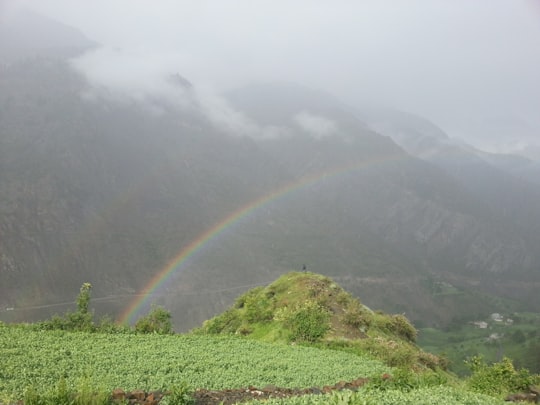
83, 318
83, 299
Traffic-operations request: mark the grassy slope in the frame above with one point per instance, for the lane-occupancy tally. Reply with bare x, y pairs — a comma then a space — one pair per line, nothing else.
311, 309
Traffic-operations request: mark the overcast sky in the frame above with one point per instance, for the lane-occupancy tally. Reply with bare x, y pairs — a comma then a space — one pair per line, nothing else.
471, 66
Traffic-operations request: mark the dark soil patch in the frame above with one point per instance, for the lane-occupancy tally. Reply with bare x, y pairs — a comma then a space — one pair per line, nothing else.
229, 396
233, 396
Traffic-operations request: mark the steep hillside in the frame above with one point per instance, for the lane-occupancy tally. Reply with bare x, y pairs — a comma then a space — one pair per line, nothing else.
104, 192
499, 181
111, 190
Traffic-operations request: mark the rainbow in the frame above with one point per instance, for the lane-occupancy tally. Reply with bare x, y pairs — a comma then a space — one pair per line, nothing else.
160, 278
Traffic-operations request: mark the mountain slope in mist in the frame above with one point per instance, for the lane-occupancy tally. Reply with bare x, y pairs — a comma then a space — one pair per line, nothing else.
25, 34
502, 182
109, 192
109, 189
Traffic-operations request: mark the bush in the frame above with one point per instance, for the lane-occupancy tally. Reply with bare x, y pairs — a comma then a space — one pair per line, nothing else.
81, 320
227, 322
404, 328
432, 361
309, 322
499, 378
406, 380
179, 395
107, 325
391, 352
257, 306
157, 321
61, 394
356, 316
397, 325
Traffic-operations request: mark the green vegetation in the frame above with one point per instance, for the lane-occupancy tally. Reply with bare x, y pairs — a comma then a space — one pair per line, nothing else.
61, 394
423, 396
499, 378
179, 395
157, 321
518, 339
81, 320
130, 361
303, 330
307, 308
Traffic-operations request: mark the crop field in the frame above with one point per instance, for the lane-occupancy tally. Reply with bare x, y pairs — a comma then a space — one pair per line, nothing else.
40, 359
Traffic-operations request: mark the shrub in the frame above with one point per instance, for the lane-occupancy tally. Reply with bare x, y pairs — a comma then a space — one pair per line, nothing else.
397, 325
157, 321
343, 298
309, 322
432, 361
61, 394
257, 306
356, 316
497, 379
391, 352
179, 395
404, 328
107, 325
227, 322
406, 380
81, 320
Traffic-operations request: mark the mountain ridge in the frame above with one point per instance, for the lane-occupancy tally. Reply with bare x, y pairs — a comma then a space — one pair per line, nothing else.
108, 192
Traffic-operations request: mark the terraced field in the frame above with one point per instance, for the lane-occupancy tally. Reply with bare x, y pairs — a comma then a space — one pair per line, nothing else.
39, 359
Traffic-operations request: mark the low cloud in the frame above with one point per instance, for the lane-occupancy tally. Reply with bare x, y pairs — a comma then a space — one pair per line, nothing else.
133, 76
223, 116
448, 61
316, 125
153, 79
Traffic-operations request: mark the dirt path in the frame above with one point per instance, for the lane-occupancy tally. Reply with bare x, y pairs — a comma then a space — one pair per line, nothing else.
233, 396
228, 397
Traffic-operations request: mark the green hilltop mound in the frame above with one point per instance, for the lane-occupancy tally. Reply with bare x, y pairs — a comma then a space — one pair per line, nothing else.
308, 308
72, 360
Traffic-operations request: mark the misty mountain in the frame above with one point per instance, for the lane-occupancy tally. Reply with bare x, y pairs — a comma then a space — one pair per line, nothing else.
521, 167
108, 192
502, 182
109, 189
46, 37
